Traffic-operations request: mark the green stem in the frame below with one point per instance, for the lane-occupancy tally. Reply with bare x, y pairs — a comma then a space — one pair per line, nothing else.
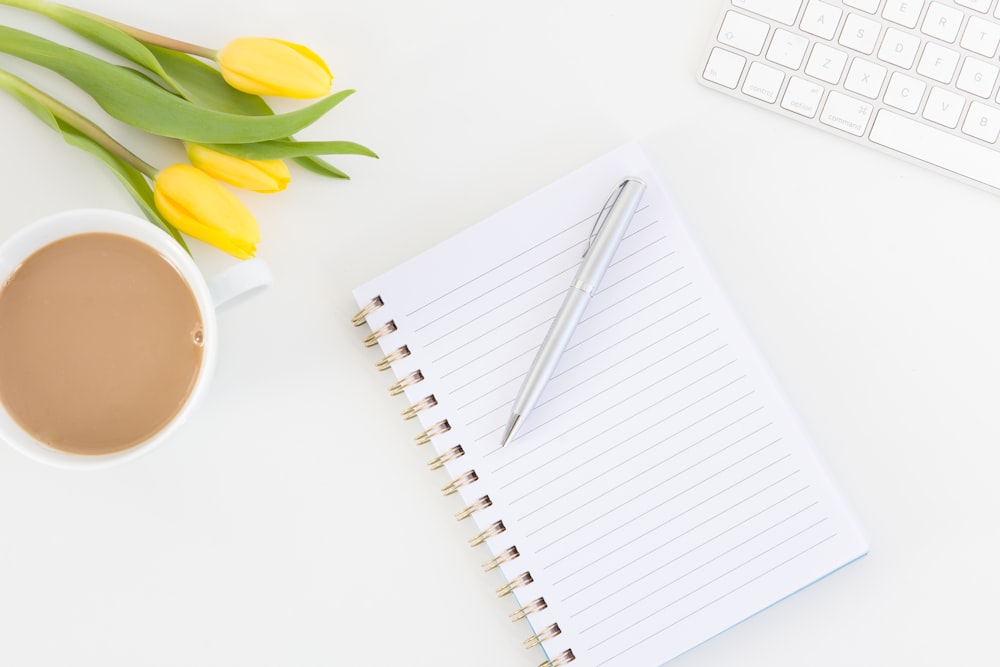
84, 125
52, 10
156, 40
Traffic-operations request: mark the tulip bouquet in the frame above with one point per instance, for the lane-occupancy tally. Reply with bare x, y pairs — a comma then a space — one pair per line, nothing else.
210, 100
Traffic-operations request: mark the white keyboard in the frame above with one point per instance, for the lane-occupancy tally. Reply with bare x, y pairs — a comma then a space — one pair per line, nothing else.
917, 78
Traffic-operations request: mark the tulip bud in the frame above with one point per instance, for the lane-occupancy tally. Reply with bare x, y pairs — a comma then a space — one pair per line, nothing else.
256, 175
263, 66
201, 207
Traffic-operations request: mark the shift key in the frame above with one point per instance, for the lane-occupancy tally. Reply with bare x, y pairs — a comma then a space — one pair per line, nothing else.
783, 11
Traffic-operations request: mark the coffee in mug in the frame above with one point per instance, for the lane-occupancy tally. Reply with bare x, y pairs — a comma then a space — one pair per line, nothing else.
108, 336
101, 342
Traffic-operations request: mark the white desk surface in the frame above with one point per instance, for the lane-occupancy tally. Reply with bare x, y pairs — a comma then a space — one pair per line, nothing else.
293, 522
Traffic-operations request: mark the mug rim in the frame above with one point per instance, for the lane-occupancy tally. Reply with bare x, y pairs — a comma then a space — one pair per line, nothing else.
44, 231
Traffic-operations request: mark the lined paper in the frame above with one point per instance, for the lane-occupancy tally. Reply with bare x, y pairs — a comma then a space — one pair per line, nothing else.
662, 490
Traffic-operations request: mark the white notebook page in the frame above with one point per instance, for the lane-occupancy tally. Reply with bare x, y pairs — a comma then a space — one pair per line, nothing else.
661, 491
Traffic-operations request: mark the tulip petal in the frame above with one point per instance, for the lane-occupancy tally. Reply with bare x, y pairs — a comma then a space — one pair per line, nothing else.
203, 208
257, 175
264, 66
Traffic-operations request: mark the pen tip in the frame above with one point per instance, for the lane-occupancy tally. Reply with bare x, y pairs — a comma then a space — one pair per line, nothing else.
512, 426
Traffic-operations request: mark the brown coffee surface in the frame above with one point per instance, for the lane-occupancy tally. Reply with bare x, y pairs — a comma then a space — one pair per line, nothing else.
100, 343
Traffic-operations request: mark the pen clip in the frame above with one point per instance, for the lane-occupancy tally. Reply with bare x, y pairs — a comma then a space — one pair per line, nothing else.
603, 214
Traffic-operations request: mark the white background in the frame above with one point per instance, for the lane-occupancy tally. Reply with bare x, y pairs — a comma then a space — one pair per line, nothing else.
292, 521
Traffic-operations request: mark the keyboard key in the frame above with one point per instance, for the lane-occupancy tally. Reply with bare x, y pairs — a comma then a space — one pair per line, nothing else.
944, 107
979, 5
903, 12
977, 77
937, 147
743, 33
938, 63
904, 92
724, 68
787, 49
826, 64
802, 97
783, 11
846, 113
981, 36
865, 78
860, 34
899, 48
983, 122
942, 22
763, 82
870, 6
821, 19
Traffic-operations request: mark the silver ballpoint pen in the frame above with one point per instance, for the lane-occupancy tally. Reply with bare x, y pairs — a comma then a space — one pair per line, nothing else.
607, 234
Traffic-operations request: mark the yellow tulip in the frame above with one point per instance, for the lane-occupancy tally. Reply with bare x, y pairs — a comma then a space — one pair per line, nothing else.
264, 66
201, 207
256, 175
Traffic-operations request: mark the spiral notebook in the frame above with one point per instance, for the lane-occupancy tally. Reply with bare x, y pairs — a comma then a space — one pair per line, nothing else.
662, 490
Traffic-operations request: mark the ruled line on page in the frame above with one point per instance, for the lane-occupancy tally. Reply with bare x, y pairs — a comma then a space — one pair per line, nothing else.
516, 257
614, 365
701, 545
616, 426
659, 505
611, 450
770, 547
535, 303
534, 326
706, 606
551, 279
593, 499
521, 271
608, 408
642, 208
542, 445
647, 490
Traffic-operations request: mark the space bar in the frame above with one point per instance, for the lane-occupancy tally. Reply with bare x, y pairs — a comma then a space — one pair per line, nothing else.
936, 147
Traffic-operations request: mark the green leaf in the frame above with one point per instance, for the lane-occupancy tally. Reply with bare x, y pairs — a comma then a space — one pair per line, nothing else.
191, 78
99, 32
319, 166
203, 85
133, 180
134, 99
277, 149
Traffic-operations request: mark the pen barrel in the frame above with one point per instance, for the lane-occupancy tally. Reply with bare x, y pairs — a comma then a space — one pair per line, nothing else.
556, 340
609, 236
597, 259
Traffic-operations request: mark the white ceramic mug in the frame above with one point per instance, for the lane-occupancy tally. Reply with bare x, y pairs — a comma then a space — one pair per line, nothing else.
237, 281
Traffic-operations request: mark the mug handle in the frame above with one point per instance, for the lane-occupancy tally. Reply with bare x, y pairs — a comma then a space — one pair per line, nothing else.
238, 282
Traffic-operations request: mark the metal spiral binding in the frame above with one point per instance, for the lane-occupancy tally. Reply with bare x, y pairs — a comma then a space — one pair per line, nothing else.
543, 636
424, 403
437, 429
492, 531
451, 454
509, 554
465, 478
362, 315
371, 340
480, 504
386, 362
396, 388
563, 658
522, 579
537, 604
